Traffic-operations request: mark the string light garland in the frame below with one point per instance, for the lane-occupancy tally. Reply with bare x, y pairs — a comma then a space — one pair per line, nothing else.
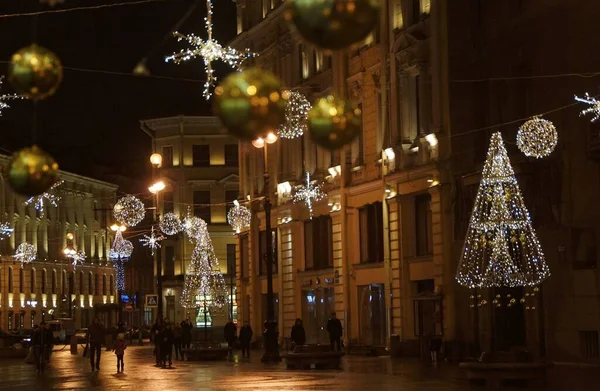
594, 108
296, 116
209, 50
119, 253
38, 201
129, 210
239, 217
537, 138
26, 253
194, 227
170, 224
5, 231
7, 97
501, 248
152, 241
309, 193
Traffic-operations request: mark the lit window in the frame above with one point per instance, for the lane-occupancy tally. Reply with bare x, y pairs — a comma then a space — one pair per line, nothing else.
398, 19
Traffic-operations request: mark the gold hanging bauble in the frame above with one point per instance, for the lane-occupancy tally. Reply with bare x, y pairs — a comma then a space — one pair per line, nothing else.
35, 72
251, 103
32, 171
334, 24
333, 123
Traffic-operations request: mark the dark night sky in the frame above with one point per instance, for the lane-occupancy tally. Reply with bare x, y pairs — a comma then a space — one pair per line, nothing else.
92, 120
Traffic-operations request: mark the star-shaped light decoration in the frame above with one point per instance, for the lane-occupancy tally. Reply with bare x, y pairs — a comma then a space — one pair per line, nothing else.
210, 50
76, 257
309, 193
5, 231
26, 253
38, 201
152, 240
594, 108
6, 97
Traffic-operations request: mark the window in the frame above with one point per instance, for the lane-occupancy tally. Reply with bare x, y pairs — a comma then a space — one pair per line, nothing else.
416, 10
202, 205
54, 282
81, 283
32, 280
71, 283
584, 248
168, 205
423, 224
21, 280
44, 276
262, 251
10, 321
304, 67
231, 260
169, 261
90, 283
417, 109
244, 256
201, 155
371, 233
10, 280
97, 284
398, 18
589, 344
318, 57
231, 155
230, 196
167, 157
318, 247
64, 283
104, 284
360, 142
111, 280
425, 7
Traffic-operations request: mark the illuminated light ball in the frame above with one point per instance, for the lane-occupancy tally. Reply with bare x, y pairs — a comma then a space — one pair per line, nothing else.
537, 138
333, 123
35, 72
170, 224
32, 171
129, 210
333, 24
251, 103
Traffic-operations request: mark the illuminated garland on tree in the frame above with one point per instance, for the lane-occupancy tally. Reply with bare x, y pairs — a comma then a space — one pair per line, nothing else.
594, 108
501, 247
296, 116
152, 241
6, 97
129, 211
309, 193
170, 224
26, 253
239, 217
210, 50
38, 201
119, 253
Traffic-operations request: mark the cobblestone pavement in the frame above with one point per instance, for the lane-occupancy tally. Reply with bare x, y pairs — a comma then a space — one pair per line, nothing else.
70, 372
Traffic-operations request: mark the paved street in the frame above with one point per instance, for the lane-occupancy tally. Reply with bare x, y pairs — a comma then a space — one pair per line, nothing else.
69, 372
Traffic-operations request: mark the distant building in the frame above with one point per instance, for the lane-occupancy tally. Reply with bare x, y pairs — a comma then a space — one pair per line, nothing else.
200, 168
50, 287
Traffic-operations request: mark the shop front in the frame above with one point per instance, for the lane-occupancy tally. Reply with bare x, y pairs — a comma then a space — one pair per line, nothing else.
317, 306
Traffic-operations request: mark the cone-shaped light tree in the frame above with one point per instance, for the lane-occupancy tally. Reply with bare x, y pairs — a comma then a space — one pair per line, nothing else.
501, 248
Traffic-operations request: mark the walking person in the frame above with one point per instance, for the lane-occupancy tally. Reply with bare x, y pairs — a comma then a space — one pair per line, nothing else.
334, 328
177, 338
166, 347
96, 335
155, 333
230, 335
245, 339
41, 340
119, 347
435, 345
186, 333
298, 334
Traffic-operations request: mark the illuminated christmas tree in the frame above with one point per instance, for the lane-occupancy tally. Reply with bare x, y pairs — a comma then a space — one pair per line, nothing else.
501, 247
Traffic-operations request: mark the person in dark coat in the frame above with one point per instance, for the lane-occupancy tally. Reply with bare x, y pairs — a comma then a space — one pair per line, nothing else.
177, 338
96, 336
186, 333
246, 338
166, 346
230, 335
155, 334
334, 328
298, 334
42, 343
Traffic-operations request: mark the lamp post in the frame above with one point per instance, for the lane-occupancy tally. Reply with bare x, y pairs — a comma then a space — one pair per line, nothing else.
270, 334
156, 188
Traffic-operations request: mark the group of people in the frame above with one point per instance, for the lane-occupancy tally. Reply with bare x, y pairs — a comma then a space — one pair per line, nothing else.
96, 337
168, 337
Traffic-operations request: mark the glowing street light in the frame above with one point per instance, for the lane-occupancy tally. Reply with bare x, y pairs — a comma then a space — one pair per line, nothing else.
156, 159
158, 186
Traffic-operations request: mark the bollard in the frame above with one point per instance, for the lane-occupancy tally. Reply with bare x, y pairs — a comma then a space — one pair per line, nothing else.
74, 344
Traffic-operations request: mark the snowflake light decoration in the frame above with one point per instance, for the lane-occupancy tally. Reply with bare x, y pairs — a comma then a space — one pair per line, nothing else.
170, 224
296, 116
239, 217
26, 253
38, 201
210, 50
76, 257
5, 231
152, 240
594, 108
309, 193
5, 97
129, 210
537, 138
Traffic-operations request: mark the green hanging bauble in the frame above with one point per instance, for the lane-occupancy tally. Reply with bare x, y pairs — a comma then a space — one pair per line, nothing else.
333, 123
35, 72
32, 171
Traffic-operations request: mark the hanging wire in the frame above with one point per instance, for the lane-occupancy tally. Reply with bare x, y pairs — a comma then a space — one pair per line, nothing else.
60, 11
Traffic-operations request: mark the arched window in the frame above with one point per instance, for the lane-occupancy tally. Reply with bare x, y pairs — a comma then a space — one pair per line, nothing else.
81, 283
112, 284
10, 280
64, 282
72, 283
54, 281
90, 284
32, 281
21, 280
97, 285
44, 275
104, 284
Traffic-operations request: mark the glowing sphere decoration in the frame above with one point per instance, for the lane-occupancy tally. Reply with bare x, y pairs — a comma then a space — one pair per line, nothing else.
26, 253
537, 138
32, 171
251, 103
333, 123
333, 24
35, 72
170, 224
296, 115
239, 217
129, 211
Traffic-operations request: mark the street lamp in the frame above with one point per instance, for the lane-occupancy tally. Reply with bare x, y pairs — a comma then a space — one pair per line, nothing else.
156, 159
270, 335
156, 188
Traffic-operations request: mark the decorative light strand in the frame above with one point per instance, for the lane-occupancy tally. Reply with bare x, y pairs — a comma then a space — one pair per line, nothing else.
209, 50
26, 253
152, 241
7, 97
119, 253
594, 108
501, 247
5, 231
537, 138
309, 193
38, 201
170, 224
296, 116
194, 227
239, 217
129, 210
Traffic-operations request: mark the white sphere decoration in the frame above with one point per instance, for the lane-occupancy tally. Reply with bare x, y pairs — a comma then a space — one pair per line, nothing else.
26, 253
296, 116
239, 217
129, 210
537, 138
170, 224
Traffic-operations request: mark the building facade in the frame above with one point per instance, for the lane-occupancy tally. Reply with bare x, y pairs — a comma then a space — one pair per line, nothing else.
382, 249
200, 168
50, 287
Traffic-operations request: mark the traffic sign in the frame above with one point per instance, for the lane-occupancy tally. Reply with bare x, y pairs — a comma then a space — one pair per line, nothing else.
151, 301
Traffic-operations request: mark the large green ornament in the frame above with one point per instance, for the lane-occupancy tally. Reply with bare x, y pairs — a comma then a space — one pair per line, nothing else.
251, 103
334, 24
333, 123
32, 171
35, 72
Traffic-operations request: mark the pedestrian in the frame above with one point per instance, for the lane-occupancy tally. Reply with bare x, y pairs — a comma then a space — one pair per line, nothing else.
298, 334
155, 334
166, 347
334, 328
246, 338
177, 341
230, 332
41, 340
435, 345
186, 333
119, 347
96, 335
